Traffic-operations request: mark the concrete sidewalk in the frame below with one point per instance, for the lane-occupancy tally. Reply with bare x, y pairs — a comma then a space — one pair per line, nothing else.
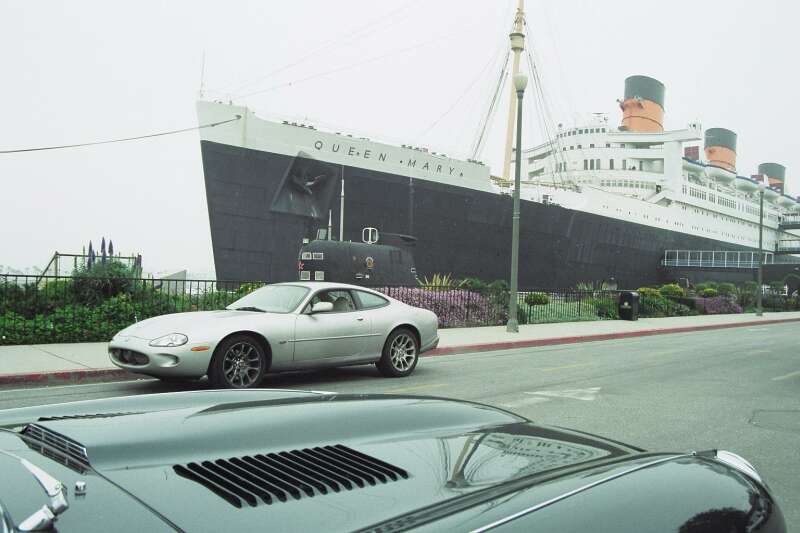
83, 362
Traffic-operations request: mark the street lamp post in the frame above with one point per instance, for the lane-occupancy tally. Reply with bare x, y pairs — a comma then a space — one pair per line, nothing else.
520, 81
759, 289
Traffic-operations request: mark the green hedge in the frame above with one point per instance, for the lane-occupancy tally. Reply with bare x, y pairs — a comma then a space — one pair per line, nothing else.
652, 304
95, 304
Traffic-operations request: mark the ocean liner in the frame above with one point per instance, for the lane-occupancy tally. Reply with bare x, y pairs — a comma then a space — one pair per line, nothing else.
598, 202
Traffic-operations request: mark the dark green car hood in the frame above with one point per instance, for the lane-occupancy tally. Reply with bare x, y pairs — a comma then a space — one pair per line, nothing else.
438, 450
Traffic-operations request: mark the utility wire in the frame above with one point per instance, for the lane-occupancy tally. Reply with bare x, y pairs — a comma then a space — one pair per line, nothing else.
492, 60
332, 44
94, 143
354, 65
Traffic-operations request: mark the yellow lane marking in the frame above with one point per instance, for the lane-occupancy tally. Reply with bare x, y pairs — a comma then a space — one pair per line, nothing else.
790, 375
417, 387
555, 368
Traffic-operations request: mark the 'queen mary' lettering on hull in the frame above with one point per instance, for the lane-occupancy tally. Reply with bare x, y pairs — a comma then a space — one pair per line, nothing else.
433, 167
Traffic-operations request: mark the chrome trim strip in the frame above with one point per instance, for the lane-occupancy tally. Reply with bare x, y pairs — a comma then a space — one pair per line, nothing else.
574, 492
336, 338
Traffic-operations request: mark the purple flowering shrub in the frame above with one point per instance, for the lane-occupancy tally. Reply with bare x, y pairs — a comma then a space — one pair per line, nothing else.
718, 305
454, 307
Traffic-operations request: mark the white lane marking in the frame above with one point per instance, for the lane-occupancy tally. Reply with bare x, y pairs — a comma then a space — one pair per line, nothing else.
586, 395
757, 329
557, 368
524, 402
790, 375
416, 387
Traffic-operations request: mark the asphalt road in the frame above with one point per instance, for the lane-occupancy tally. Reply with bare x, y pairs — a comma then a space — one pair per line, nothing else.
736, 389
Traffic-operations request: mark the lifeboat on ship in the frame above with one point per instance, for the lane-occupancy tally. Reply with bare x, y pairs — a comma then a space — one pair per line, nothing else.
771, 194
787, 202
720, 174
692, 166
746, 184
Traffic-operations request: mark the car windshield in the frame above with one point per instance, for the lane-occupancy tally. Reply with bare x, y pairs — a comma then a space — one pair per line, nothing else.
271, 299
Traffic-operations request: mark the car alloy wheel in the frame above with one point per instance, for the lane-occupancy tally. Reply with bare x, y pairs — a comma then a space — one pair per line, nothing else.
403, 352
239, 362
400, 354
241, 365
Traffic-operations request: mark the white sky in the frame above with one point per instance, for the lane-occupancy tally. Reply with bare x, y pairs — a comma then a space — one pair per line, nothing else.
83, 71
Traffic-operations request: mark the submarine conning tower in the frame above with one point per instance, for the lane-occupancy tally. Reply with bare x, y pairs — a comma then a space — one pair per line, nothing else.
776, 174
720, 148
643, 105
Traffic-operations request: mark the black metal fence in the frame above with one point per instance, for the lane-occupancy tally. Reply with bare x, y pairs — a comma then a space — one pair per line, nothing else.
82, 308
36, 309
459, 307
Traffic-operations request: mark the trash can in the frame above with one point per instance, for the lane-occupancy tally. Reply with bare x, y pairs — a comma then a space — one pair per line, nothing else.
628, 305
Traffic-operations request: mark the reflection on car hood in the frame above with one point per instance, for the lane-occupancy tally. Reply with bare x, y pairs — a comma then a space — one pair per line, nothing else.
446, 448
186, 323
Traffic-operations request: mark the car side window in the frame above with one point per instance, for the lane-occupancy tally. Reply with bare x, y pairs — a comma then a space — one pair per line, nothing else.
370, 301
342, 300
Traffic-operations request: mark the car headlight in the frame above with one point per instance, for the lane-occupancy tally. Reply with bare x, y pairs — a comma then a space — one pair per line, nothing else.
171, 340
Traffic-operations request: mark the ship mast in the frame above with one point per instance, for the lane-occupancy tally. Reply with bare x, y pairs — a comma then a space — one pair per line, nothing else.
517, 46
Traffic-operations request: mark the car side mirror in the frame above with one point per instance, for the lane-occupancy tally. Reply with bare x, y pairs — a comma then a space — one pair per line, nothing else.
321, 307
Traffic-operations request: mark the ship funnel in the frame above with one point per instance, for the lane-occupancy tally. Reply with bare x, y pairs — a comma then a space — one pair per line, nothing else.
776, 174
643, 106
720, 148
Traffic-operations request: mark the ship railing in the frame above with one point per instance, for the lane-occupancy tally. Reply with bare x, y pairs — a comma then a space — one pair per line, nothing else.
788, 246
715, 258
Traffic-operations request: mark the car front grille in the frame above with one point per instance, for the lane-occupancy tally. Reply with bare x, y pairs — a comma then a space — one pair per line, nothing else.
290, 475
129, 357
56, 446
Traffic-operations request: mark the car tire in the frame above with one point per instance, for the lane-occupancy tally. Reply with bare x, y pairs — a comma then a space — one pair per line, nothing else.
239, 362
400, 354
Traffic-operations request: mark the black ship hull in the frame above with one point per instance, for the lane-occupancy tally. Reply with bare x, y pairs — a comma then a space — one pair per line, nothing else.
258, 222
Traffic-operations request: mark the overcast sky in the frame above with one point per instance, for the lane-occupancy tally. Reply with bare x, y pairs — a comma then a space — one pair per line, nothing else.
405, 71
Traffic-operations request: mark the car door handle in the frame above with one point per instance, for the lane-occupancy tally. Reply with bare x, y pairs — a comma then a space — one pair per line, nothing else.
360, 319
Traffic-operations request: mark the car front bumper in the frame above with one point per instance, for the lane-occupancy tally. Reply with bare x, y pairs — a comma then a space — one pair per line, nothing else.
188, 361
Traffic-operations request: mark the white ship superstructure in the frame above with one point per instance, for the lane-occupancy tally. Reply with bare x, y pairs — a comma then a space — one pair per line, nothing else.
656, 178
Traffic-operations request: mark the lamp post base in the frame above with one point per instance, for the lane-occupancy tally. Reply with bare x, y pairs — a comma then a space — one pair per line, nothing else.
512, 326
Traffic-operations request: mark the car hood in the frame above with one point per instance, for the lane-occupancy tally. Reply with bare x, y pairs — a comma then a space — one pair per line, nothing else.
191, 323
185, 454
102, 505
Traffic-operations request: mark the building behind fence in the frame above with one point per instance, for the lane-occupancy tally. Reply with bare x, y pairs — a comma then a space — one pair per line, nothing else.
46, 309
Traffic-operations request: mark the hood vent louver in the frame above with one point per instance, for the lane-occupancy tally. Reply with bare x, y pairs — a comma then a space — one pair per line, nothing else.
292, 475
56, 446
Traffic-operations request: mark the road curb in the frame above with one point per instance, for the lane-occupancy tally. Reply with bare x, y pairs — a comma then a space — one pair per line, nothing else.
92, 375
510, 345
68, 377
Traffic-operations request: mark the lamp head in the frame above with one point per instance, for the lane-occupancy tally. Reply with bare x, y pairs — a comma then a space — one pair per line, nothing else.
520, 82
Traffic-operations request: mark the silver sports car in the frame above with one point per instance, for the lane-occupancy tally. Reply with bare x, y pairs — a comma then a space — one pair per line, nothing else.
285, 326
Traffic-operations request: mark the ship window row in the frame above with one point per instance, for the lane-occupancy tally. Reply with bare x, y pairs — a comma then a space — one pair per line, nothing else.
696, 193
631, 184
742, 205
733, 236
726, 202
583, 131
